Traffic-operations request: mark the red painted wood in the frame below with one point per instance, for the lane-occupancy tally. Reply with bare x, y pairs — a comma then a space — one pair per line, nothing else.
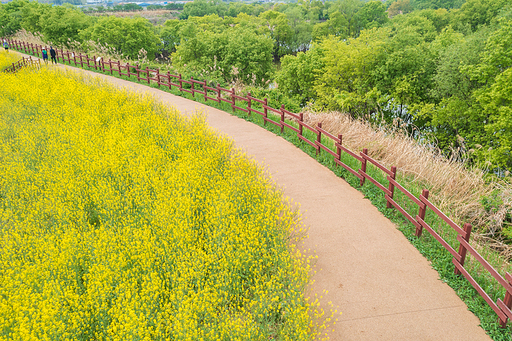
462, 248
422, 211
363, 166
481, 291
391, 187
442, 216
375, 182
349, 152
440, 239
506, 284
348, 168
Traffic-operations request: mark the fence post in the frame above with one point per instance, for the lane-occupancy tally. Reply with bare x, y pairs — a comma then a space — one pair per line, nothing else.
507, 300
318, 138
148, 72
137, 69
265, 111
301, 119
338, 149
462, 250
391, 187
363, 166
181, 82
249, 104
421, 213
192, 86
205, 91
169, 79
233, 99
158, 76
282, 118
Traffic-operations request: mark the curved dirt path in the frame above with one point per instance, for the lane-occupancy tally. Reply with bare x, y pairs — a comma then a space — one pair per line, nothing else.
385, 289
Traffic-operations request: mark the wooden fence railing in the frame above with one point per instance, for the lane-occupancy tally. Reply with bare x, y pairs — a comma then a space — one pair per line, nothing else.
321, 141
23, 62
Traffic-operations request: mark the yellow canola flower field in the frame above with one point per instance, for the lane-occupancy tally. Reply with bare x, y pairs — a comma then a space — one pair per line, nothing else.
122, 220
8, 58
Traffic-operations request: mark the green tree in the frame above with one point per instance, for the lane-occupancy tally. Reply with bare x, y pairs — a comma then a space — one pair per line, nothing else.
199, 8
405, 73
496, 102
372, 14
346, 82
475, 13
301, 29
170, 34
497, 56
62, 24
126, 35
211, 22
337, 25
453, 112
280, 31
174, 6
399, 7
235, 8
297, 75
348, 10
31, 16
10, 16
130, 7
237, 52
436, 4
254, 23
440, 18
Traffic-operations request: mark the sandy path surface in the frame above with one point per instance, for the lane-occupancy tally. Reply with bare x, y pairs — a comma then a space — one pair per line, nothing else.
382, 285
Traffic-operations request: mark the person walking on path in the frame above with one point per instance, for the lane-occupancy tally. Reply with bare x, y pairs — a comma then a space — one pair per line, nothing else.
45, 55
6, 46
52, 55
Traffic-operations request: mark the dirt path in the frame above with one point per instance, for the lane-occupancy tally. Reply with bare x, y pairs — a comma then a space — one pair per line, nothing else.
384, 287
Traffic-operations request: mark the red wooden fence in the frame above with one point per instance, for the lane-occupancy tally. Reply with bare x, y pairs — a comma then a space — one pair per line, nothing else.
23, 62
252, 105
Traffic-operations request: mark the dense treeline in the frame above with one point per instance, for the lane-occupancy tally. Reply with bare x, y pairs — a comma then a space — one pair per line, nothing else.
441, 66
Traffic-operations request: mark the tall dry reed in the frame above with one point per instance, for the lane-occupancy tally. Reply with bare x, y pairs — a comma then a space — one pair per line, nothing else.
89, 47
455, 187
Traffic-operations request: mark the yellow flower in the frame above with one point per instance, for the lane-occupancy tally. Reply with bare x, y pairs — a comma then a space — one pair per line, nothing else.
121, 219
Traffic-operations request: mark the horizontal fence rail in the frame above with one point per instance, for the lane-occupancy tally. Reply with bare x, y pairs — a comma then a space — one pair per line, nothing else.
322, 141
23, 63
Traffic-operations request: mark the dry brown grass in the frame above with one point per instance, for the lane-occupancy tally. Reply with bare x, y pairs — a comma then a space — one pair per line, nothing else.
455, 188
156, 17
29, 37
